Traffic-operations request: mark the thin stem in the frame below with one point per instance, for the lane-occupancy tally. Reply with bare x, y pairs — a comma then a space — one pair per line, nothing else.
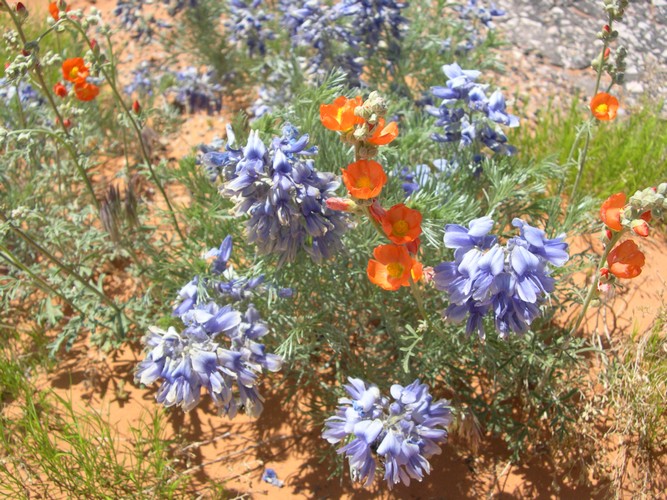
594, 282
137, 129
584, 154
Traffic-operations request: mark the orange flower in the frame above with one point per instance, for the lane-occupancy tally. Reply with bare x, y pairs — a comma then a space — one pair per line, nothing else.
610, 211
383, 135
54, 10
626, 260
604, 106
402, 224
340, 116
60, 90
75, 70
364, 179
392, 267
86, 91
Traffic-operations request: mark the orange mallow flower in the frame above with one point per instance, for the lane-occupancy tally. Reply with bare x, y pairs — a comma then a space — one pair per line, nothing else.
86, 91
383, 135
626, 260
339, 115
392, 267
75, 70
364, 179
402, 224
54, 10
610, 211
604, 106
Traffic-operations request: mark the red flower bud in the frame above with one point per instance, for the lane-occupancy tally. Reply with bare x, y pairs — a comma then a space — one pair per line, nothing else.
646, 216
94, 46
604, 272
25, 53
60, 90
607, 51
340, 204
606, 28
136, 107
640, 227
67, 123
413, 246
608, 234
21, 10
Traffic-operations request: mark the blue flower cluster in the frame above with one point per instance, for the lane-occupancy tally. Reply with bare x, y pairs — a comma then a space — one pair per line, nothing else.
196, 90
283, 194
475, 10
374, 21
316, 25
27, 95
341, 32
510, 281
468, 116
414, 179
219, 346
402, 434
247, 25
130, 15
143, 80
475, 15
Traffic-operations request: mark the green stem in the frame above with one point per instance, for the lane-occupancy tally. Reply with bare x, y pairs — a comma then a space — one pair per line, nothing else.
594, 282
584, 154
137, 129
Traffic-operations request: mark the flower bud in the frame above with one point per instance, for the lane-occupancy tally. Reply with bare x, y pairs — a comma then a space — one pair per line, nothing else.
646, 216
21, 10
136, 107
340, 204
60, 90
640, 227
95, 47
608, 234
606, 28
607, 51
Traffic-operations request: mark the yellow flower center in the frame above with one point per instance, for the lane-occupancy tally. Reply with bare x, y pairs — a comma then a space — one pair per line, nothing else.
364, 182
400, 227
394, 270
602, 108
74, 72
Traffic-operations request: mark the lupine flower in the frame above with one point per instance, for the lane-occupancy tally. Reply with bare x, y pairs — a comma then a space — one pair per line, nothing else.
604, 106
478, 124
284, 196
86, 91
511, 280
402, 434
323, 30
75, 70
217, 348
610, 212
477, 10
626, 260
402, 224
393, 267
383, 135
247, 25
142, 80
129, 15
364, 179
339, 116
197, 90
221, 255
